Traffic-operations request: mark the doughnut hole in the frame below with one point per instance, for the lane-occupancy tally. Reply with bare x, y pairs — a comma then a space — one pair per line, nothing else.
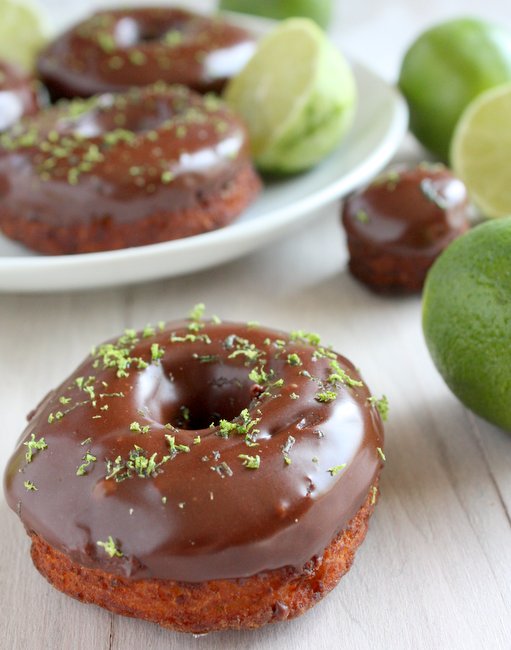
130, 31
103, 117
193, 395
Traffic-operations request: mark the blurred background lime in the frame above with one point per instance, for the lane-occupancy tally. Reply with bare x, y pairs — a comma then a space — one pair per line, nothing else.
467, 319
480, 150
318, 10
445, 69
24, 31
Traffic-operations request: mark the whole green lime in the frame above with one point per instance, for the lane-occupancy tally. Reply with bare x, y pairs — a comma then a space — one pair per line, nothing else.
445, 69
467, 319
318, 10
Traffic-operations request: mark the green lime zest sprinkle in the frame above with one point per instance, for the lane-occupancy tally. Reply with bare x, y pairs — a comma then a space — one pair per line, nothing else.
287, 448
374, 493
64, 400
110, 547
156, 353
175, 448
381, 454
362, 216
148, 331
244, 428
137, 57
167, 177
250, 462
339, 375
382, 406
197, 312
325, 396
333, 471
138, 463
29, 486
88, 459
308, 337
294, 360
197, 440
33, 447
136, 426
258, 376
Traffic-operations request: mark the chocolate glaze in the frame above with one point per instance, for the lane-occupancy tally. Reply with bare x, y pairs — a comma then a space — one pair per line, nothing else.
220, 519
398, 225
120, 158
115, 50
20, 95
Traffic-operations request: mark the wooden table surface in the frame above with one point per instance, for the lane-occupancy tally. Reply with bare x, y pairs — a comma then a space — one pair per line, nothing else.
435, 569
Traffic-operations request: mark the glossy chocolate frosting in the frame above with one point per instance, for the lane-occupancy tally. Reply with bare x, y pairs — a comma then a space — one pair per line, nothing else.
198, 450
407, 210
400, 223
115, 50
20, 95
120, 157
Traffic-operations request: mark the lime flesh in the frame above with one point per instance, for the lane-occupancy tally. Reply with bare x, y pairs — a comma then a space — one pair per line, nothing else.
297, 97
481, 148
23, 32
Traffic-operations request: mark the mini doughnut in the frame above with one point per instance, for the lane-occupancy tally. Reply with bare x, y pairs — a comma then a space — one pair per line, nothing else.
20, 95
203, 475
116, 49
399, 225
154, 164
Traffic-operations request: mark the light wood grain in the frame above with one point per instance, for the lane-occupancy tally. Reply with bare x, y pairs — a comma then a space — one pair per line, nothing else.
435, 570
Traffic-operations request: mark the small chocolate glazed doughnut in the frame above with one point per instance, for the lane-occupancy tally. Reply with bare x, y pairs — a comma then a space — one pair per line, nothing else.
114, 171
399, 225
20, 95
115, 50
203, 475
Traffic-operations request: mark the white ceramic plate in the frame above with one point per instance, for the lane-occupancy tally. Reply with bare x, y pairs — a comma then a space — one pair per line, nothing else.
379, 126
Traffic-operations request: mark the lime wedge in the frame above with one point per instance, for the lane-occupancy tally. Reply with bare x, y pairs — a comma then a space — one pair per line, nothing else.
480, 151
24, 30
296, 95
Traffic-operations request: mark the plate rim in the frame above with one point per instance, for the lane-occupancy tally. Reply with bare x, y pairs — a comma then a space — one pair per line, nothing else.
299, 213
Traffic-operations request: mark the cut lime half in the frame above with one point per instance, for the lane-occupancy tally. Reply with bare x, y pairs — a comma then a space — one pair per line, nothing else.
480, 152
297, 96
24, 30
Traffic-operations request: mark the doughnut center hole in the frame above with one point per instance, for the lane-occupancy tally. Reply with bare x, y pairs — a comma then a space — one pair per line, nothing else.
106, 117
204, 396
130, 32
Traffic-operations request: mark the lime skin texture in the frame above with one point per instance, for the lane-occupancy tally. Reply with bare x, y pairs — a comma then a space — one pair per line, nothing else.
318, 10
445, 69
467, 319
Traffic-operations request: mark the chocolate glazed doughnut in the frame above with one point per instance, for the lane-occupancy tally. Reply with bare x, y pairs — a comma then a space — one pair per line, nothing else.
115, 50
202, 475
114, 171
20, 94
401, 222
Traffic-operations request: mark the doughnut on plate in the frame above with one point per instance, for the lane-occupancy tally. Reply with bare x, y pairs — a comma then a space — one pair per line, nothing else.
380, 124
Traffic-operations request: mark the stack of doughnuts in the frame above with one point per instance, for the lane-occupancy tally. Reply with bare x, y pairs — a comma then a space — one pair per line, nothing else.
147, 158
